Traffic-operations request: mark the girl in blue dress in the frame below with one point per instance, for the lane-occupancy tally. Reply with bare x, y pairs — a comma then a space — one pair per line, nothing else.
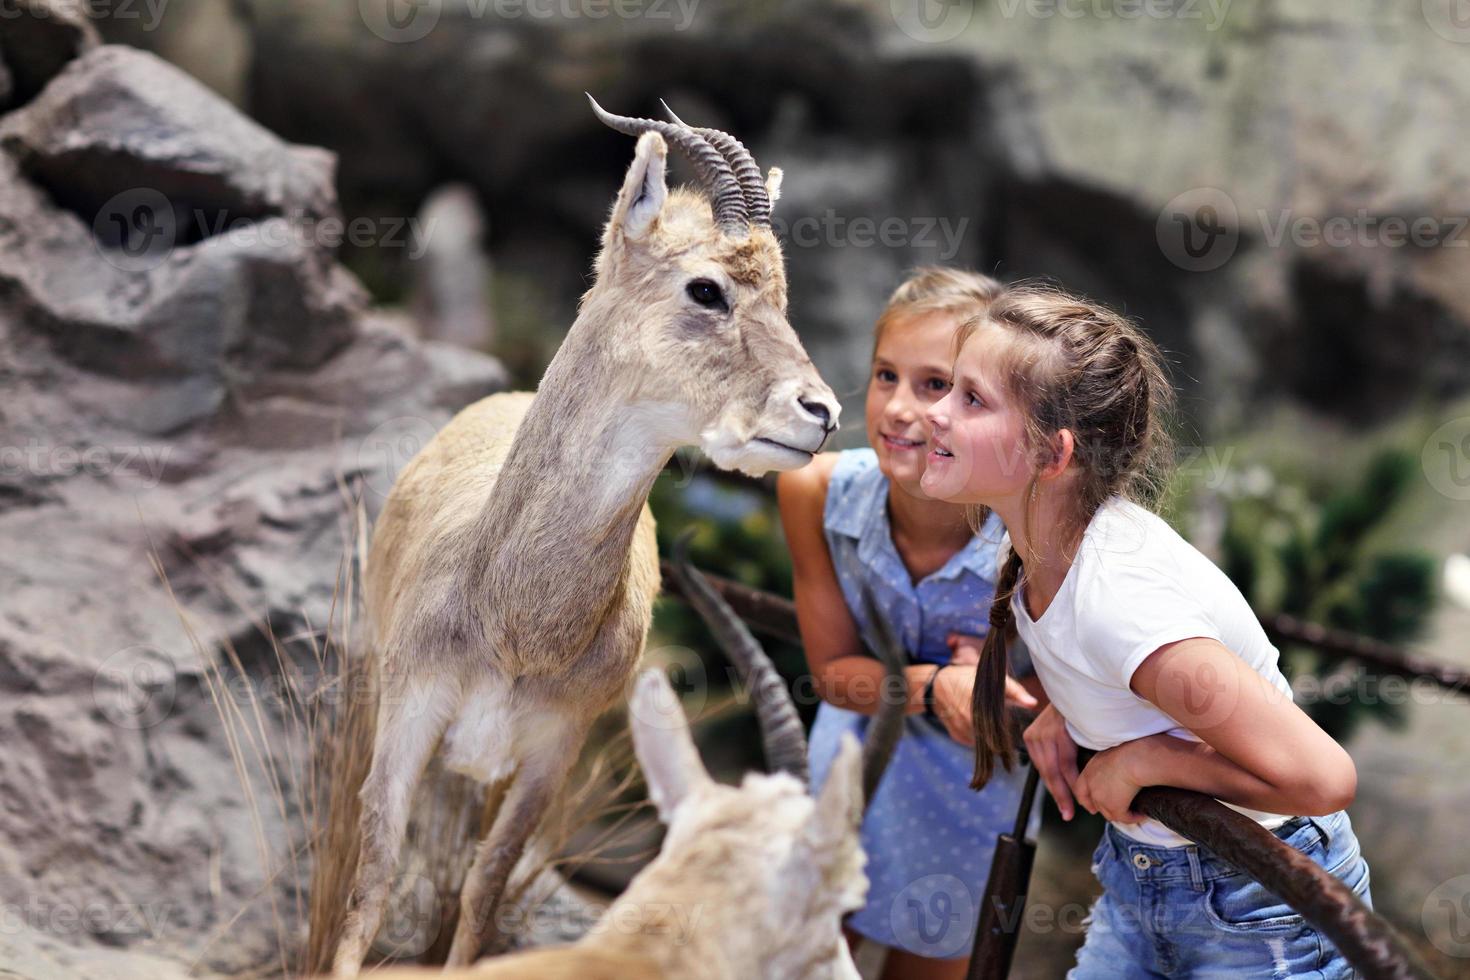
856, 521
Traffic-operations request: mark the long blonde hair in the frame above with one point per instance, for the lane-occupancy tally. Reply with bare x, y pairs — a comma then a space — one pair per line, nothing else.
1076, 365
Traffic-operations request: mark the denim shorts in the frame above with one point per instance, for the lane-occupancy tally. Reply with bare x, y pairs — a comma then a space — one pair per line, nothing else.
1183, 912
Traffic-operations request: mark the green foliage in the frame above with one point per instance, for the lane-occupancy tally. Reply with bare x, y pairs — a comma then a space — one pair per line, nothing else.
1311, 549
737, 534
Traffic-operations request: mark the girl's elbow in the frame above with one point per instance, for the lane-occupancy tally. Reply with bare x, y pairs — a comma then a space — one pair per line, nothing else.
1332, 787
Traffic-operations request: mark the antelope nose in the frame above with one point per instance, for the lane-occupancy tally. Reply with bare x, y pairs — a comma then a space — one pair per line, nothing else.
817, 410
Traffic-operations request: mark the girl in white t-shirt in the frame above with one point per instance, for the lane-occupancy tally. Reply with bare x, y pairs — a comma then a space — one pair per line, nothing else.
1147, 651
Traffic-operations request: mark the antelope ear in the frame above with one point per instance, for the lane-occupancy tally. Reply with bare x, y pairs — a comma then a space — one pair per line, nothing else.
663, 744
773, 185
831, 838
644, 189
839, 811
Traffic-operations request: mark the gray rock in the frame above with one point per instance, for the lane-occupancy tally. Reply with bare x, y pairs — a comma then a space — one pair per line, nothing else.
169, 235
451, 272
178, 430
119, 121
37, 39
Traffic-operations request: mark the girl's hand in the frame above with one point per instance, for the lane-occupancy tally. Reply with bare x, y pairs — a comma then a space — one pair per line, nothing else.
953, 690
1112, 779
1054, 755
965, 651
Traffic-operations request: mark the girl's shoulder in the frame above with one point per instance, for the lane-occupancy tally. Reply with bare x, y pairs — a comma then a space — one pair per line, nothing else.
856, 492
1125, 535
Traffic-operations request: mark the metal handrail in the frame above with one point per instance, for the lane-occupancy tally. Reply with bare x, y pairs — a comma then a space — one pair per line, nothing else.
1367, 940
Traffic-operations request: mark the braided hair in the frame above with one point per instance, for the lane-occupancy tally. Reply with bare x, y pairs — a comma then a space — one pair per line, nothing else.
1076, 365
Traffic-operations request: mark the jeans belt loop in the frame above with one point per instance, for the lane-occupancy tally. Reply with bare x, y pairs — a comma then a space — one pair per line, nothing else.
1196, 874
1321, 824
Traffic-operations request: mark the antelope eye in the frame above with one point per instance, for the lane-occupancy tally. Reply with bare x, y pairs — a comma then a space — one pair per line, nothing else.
706, 293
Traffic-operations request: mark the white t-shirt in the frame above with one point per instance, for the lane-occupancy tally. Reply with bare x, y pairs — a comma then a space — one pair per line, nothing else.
1134, 586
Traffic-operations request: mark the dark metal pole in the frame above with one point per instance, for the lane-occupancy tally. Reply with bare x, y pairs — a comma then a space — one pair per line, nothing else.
998, 929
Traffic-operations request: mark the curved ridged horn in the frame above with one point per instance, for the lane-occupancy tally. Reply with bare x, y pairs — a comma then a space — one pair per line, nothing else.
752, 184
710, 164
886, 727
781, 731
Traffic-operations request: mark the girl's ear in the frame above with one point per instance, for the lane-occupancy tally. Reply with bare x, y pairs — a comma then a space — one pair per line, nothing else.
1062, 448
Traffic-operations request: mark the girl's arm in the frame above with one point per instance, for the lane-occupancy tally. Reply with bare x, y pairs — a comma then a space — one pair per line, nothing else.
843, 673
1259, 751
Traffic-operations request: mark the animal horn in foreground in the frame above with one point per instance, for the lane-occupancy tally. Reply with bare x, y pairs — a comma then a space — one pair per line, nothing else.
886, 727
710, 164
747, 173
781, 730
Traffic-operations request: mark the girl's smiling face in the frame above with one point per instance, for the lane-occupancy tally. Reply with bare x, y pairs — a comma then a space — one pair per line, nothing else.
977, 452
910, 373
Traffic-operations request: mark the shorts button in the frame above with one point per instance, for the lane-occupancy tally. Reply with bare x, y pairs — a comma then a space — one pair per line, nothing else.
1141, 861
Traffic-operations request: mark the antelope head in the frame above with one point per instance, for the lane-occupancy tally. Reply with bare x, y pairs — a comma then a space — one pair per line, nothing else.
691, 301
792, 864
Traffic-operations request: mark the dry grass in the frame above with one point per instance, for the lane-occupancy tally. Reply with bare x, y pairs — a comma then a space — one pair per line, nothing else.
301, 752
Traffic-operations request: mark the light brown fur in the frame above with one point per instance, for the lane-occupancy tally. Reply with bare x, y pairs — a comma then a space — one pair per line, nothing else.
752, 881
512, 573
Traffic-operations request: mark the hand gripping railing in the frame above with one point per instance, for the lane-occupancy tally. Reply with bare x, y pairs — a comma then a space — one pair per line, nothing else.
1373, 946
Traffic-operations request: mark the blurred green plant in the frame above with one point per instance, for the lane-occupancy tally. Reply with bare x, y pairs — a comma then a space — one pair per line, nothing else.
737, 534
1312, 548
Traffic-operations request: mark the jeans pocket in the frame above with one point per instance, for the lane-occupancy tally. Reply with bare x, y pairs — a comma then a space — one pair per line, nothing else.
1237, 903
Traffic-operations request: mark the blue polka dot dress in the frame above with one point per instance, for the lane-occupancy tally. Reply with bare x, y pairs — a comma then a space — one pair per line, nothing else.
927, 835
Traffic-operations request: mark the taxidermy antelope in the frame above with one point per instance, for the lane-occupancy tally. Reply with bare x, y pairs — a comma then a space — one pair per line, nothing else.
752, 881
512, 573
